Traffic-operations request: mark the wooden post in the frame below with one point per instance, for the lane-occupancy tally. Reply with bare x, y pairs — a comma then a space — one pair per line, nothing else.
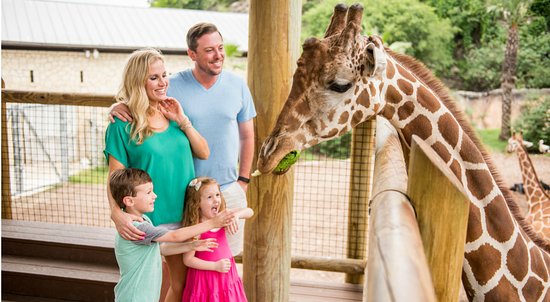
6, 190
362, 166
396, 267
442, 213
273, 47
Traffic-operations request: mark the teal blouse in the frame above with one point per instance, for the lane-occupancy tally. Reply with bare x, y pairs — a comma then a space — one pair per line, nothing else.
166, 156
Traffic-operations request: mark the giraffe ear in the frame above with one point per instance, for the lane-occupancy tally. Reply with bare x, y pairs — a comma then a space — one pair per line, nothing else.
375, 60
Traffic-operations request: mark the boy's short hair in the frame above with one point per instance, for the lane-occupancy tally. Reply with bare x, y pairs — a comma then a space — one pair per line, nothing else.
198, 30
123, 182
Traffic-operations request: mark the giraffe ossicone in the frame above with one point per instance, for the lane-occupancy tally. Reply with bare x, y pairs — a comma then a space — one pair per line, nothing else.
346, 78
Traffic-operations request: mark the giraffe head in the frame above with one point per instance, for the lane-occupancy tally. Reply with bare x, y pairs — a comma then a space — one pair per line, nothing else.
334, 88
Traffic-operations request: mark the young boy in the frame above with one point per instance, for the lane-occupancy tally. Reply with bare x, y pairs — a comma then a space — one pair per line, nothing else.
140, 261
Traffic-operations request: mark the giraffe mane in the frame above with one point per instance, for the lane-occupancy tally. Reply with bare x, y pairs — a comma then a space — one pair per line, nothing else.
428, 79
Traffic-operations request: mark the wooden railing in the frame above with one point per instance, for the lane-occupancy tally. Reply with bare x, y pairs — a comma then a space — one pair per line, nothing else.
416, 246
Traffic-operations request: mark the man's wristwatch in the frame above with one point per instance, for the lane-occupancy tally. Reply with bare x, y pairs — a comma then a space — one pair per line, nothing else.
243, 179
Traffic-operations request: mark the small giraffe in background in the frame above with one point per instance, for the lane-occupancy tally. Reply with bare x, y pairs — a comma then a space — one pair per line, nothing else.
537, 198
347, 78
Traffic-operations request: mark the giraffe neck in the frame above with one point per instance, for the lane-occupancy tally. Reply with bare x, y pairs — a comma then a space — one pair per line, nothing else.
416, 104
536, 196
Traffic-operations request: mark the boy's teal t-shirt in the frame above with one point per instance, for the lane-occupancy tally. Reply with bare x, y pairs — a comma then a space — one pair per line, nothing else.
140, 266
166, 156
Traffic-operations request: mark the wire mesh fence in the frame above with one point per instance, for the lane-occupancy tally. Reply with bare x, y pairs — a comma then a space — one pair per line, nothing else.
56, 172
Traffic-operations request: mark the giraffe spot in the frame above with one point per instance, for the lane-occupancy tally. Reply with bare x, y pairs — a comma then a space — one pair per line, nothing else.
356, 89
364, 99
518, 259
405, 87
469, 151
467, 286
504, 291
485, 262
302, 108
392, 95
311, 127
405, 110
323, 124
301, 139
532, 290
474, 224
404, 73
343, 131
390, 69
343, 118
356, 118
376, 106
292, 122
364, 80
372, 89
498, 219
456, 168
380, 87
538, 266
427, 99
388, 112
420, 126
440, 149
332, 133
480, 182
448, 127
331, 114
346, 102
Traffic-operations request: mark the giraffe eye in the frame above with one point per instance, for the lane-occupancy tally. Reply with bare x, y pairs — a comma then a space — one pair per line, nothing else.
340, 88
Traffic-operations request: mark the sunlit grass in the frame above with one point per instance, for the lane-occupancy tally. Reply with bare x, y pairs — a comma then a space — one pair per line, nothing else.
489, 137
91, 176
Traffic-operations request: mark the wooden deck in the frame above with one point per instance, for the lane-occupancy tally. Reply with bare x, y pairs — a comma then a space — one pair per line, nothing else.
73, 260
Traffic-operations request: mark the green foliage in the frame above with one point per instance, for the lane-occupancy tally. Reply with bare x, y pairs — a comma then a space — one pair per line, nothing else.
489, 138
337, 148
481, 70
408, 21
231, 50
534, 119
534, 56
91, 176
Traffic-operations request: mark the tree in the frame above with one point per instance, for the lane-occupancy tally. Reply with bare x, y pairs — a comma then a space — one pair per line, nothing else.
513, 13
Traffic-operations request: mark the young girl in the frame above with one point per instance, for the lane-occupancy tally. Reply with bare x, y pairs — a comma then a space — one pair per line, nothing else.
211, 276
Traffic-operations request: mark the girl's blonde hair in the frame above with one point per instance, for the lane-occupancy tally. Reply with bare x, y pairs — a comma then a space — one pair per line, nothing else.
191, 214
132, 91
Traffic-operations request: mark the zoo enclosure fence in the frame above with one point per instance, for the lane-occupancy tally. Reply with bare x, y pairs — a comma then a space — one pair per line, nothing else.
54, 170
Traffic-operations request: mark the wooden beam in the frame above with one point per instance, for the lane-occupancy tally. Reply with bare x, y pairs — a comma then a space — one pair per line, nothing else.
57, 98
442, 213
274, 36
348, 266
396, 267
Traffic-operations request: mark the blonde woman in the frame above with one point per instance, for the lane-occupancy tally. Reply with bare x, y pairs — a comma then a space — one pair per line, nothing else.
159, 140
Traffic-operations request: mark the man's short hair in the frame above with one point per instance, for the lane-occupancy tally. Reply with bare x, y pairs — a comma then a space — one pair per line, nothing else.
123, 182
198, 30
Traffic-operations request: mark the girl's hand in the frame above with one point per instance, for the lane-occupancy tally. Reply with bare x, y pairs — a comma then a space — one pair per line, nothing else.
223, 265
205, 245
223, 219
233, 227
171, 109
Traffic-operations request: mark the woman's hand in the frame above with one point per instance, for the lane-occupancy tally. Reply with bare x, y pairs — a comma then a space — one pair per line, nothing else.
172, 110
124, 226
206, 245
223, 219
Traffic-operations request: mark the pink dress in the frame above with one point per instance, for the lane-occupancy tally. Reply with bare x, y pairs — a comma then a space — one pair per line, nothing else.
213, 286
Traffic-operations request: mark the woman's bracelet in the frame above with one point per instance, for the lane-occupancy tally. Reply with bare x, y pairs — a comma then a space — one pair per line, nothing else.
186, 123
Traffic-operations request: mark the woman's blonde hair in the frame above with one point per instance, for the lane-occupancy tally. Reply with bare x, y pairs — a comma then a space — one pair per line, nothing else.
132, 91
191, 214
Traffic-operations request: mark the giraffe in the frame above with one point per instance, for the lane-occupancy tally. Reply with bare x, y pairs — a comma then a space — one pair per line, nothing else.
346, 78
537, 198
